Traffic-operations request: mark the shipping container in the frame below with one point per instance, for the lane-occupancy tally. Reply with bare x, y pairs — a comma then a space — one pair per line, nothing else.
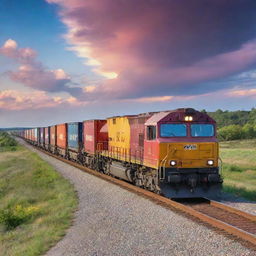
53, 138
38, 136
75, 136
62, 136
95, 135
41, 136
29, 134
47, 136
34, 135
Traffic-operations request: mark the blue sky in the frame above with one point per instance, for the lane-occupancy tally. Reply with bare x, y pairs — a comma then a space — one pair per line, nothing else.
73, 60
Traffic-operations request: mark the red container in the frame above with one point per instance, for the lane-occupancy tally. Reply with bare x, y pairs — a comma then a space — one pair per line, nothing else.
95, 135
46, 135
53, 135
62, 136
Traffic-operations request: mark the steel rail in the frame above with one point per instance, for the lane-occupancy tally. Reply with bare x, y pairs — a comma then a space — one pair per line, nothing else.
241, 234
232, 210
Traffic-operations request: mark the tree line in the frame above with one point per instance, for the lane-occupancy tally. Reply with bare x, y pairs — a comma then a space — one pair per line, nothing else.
235, 125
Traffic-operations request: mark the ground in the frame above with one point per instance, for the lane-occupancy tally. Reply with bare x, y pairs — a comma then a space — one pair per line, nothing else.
239, 167
37, 203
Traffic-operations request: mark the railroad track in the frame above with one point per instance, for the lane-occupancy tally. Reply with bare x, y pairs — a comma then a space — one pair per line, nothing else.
240, 225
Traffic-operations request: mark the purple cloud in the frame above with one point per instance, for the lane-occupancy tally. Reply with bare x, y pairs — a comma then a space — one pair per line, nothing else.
161, 47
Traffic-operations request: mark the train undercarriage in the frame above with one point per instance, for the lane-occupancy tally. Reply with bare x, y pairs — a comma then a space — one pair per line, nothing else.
172, 183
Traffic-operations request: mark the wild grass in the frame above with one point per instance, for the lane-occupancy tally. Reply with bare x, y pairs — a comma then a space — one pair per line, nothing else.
7, 143
239, 168
37, 204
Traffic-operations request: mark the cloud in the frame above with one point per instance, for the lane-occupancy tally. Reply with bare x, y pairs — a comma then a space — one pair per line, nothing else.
33, 74
17, 100
251, 93
160, 47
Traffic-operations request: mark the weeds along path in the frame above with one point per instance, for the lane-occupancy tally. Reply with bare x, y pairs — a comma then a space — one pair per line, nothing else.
113, 221
36, 203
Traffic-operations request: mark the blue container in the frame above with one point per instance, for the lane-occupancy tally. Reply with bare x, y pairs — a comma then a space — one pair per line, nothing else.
75, 136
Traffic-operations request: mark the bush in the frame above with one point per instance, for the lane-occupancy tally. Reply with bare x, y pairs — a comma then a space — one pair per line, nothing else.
234, 168
6, 140
13, 216
248, 131
230, 132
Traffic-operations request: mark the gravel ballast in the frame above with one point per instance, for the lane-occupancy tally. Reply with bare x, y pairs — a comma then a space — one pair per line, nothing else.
113, 221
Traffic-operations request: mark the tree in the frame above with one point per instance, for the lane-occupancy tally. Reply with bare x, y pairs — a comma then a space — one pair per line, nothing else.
230, 132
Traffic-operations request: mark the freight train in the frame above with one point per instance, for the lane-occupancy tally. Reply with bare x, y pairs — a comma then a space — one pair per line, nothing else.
174, 153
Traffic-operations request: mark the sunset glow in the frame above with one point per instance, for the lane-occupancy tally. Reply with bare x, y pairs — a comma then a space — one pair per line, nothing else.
99, 58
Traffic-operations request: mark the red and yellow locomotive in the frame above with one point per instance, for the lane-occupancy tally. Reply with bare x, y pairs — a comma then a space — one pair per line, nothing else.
172, 152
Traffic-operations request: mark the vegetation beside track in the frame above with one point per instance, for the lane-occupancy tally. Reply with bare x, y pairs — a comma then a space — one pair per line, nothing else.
7, 143
37, 204
239, 167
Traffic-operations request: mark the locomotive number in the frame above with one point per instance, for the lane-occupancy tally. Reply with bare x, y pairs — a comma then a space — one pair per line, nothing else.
190, 147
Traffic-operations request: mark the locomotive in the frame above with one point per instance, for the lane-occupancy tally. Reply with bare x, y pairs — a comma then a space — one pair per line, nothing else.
174, 153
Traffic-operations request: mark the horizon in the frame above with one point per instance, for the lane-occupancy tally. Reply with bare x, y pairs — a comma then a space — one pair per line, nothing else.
82, 120
70, 60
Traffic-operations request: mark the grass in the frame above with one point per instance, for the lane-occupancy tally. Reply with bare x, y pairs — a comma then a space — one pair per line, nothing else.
37, 204
239, 168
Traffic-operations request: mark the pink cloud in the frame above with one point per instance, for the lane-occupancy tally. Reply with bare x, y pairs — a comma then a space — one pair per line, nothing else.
251, 93
158, 48
18, 100
33, 74
24, 55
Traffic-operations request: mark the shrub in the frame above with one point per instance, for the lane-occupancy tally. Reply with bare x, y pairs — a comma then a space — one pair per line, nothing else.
13, 216
234, 168
6, 140
230, 132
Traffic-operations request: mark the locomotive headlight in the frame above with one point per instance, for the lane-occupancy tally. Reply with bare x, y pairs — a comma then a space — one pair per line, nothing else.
173, 163
210, 162
188, 118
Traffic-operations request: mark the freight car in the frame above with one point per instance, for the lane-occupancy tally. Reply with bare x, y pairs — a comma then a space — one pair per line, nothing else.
174, 153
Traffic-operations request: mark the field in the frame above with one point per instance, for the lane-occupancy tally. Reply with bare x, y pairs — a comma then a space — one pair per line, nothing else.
37, 204
239, 167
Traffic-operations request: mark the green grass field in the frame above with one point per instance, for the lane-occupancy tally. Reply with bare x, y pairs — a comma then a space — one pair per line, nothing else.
37, 204
239, 167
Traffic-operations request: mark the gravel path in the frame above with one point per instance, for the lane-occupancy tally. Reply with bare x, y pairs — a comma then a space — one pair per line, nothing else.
113, 221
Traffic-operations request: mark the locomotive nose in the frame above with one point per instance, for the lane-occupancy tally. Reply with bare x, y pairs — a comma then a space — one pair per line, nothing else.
188, 155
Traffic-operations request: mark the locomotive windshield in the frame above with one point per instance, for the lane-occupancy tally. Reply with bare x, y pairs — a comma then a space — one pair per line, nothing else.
173, 130
202, 130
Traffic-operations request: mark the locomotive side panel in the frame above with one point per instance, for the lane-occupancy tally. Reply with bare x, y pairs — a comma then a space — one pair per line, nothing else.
119, 137
137, 126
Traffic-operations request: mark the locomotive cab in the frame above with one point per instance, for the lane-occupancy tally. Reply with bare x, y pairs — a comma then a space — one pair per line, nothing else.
183, 147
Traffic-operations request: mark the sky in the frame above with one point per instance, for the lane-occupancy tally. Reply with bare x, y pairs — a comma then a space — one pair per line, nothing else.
73, 60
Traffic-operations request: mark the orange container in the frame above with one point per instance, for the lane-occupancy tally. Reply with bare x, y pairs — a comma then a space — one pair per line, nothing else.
53, 135
62, 136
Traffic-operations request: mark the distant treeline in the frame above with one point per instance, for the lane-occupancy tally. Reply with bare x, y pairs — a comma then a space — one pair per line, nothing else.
235, 125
